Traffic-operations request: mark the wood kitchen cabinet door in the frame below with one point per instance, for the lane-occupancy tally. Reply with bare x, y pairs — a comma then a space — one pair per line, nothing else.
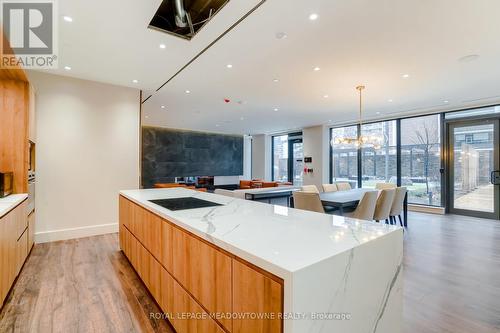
205, 272
13, 252
8, 254
124, 217
185, 314
255, 292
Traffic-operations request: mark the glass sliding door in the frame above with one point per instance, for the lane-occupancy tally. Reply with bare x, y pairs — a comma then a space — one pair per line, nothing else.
472, 167
288, 158
379, 165
296, 163
280, 158
344, 158
421, 159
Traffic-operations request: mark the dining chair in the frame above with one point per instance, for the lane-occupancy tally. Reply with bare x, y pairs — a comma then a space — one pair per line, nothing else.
330, 188
222, 191
310, 188
308, 201
343, 186
384, 205
385, 186
366, 207
397, 205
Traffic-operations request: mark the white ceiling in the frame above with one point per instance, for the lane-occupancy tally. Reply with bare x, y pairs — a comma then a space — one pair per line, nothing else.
352, 41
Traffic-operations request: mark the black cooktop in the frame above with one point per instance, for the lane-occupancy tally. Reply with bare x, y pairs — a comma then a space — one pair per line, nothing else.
184, 203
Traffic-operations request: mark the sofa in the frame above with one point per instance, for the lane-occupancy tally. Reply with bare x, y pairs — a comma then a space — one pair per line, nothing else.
259, 183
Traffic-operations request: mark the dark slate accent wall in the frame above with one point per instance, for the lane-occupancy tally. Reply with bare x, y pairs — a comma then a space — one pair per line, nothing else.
169, 153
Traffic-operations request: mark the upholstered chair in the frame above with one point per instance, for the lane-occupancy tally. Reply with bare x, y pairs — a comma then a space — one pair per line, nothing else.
307, 201
384, 205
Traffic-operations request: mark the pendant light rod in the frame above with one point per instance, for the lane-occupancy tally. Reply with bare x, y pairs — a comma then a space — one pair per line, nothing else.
360, 88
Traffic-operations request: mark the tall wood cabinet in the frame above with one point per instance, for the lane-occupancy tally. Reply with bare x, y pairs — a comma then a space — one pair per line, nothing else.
16, 130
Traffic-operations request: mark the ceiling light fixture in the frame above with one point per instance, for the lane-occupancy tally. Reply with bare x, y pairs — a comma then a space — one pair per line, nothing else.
188, 91
313, 17
405, 76
229, 66
325, 96
469, 58
276, 80
163, 46
163, 106
67, 18
135, 81
281, 35
67, 68
446, 102
316, 69
390, 100
373, 140
275, 109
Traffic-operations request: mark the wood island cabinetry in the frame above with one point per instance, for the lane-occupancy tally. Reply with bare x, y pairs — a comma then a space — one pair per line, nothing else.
201, 287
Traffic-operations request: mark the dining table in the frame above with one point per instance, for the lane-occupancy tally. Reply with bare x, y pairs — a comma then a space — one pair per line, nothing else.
350, 199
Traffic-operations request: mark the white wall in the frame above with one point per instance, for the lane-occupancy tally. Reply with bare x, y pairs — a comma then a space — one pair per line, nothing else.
316, 145
261, 157
87, 149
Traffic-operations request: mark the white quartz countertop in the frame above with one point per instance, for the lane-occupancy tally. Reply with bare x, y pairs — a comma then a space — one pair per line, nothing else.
278, 239
11, 201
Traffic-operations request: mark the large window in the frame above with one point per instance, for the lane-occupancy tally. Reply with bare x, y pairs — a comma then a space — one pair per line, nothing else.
380, 165
421, 159
344, 159
420, 156
280, 158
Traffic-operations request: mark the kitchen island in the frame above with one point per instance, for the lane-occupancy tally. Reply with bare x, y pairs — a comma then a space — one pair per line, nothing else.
244, 266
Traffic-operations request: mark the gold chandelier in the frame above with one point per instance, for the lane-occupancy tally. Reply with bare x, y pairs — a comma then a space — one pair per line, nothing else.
366, 141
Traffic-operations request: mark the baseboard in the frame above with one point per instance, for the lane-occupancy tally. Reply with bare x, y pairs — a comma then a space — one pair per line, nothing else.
63, 234
426, 209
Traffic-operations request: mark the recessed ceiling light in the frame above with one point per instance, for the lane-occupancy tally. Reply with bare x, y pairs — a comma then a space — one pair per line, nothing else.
135, 81
229, 66
281, 35
405, 76
276, 80
316, 69
275, 109
325, 96
67, 18
390, 100
378, 112
67, 68
469, 58
446, 102
163, 106
163, 46
188, 91
313, 16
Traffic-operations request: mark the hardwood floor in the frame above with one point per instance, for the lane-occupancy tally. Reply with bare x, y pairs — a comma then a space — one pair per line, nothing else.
452, 283
452, 274
83, 285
